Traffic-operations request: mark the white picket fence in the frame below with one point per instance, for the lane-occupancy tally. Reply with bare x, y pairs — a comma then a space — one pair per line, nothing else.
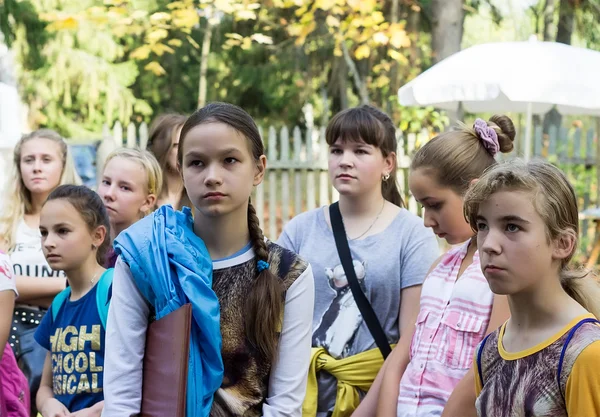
297, 179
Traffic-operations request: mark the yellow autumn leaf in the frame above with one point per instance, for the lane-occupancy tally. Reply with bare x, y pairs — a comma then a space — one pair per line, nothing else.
397, 56
253, 6
229, 43
160, 17
337, 51
332, 21
139, 15
367, 6
186, 18
306, 30
156, 35
68, 23
118, 10
159, 49
324, 4
175, 5
193, 42
301, 11
225, 6
175, 42
382, 81
294, 29
362, 52
143, 52
246, 44
234, 36
377, 17
399, 39
155, 68
380, 38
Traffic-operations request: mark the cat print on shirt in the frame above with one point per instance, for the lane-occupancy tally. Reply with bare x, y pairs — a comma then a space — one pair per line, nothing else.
342, 318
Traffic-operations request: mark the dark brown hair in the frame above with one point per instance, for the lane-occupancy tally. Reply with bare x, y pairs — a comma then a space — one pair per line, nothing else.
457, 157
90, 207
264, 304
374, 127
162, 130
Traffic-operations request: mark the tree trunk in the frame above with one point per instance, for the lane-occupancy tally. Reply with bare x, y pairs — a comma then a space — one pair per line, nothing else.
360, 85
394, 67
549, 28
566, 18
204, 64
447, 18
447, 26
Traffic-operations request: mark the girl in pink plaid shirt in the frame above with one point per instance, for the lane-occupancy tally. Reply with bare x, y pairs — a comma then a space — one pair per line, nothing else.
457, 306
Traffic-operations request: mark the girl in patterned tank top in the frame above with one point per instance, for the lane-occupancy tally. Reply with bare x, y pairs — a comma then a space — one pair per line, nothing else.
543, 360
457, 307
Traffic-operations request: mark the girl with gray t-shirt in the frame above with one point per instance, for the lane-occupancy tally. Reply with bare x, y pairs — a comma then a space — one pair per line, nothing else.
391, 250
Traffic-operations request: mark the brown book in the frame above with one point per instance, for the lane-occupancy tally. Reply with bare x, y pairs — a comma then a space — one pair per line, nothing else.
164, 384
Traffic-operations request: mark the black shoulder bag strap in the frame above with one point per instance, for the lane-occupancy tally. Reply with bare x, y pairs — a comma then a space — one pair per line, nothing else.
341, 242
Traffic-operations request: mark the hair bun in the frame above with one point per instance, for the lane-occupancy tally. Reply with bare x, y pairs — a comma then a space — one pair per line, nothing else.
505, 129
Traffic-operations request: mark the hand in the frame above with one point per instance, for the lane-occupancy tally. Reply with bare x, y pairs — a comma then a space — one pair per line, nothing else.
54, 408
93, 411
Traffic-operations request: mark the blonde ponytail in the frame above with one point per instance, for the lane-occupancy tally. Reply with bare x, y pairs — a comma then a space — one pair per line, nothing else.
583, 287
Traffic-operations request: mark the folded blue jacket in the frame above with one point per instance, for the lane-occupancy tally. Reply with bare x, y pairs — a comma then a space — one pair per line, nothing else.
172, 267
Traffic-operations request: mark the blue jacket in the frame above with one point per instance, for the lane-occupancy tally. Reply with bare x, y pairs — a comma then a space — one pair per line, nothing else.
171, 267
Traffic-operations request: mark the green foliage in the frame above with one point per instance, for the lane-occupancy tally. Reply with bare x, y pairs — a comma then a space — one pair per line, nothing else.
19, 17
83, 63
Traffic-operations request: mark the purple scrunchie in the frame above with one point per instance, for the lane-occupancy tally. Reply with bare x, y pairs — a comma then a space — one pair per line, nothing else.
488, 136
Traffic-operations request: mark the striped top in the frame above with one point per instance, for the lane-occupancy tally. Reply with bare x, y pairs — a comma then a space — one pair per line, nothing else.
453, 319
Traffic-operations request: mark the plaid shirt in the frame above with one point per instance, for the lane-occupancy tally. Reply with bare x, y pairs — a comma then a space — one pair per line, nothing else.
452, 320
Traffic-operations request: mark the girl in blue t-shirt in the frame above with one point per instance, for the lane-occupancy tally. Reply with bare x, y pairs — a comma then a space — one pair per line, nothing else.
75, 227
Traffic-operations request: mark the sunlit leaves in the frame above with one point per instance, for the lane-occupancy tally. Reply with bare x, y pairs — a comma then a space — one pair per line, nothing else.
155, 68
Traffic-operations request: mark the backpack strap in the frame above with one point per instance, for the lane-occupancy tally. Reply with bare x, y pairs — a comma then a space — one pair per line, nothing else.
564, 349
479, 355
59, 300
104, 294
362, 302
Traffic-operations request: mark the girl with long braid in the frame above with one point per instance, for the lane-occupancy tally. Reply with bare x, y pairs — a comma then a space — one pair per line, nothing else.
253, 359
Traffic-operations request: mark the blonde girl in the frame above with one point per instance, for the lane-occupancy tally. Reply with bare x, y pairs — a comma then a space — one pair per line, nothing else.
163, 143
457, 307
543, 360
130, 183
252, 358
41, 162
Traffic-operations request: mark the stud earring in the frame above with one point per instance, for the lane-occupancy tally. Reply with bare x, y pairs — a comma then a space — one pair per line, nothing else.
386, 177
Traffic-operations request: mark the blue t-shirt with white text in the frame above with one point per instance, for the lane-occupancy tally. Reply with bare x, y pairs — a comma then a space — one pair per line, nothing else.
75, 341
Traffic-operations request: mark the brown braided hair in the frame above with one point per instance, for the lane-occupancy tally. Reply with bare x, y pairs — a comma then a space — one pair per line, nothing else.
264, 304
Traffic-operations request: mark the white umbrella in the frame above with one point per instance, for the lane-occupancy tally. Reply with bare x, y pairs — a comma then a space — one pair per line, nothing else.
527, 77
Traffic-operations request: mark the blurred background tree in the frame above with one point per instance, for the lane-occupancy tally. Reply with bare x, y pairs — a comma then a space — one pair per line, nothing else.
82, 63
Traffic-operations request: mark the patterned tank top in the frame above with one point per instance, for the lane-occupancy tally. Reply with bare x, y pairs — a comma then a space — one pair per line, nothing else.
527, 383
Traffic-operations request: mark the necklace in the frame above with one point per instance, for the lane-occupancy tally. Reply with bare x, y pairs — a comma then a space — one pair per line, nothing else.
93, 280
372, 224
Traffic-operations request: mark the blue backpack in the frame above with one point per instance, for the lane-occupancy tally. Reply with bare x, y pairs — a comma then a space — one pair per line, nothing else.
103, 295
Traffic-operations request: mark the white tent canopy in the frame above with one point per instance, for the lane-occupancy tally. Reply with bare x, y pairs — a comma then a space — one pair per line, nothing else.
527, 77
